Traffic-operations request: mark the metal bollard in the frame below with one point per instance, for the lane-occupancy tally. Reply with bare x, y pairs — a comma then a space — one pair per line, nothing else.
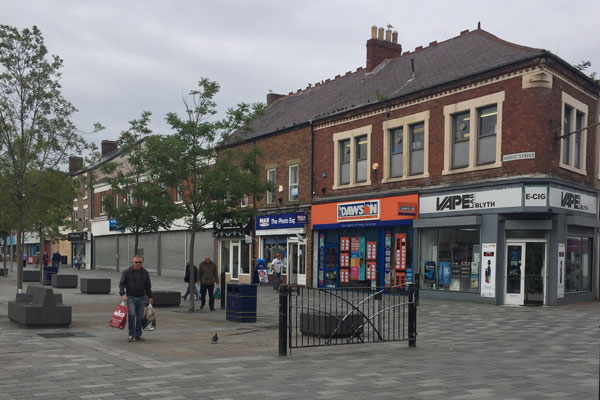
223, 291
283, 319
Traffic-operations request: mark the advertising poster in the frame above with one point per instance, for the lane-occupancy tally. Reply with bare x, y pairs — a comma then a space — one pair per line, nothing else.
444, 276
388, 258
363, 253
560, 293
354, 258
488, 270
321, 258
370, 271
344, 276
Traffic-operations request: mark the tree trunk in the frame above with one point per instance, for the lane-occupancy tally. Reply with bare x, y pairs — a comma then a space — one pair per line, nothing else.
135, 247
19, 255
192, 280
40, 263
5, 253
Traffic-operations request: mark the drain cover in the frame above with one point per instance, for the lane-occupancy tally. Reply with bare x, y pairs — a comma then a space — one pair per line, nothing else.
62, 335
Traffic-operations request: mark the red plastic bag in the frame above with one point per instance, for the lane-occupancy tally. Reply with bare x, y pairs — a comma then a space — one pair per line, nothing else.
119, 317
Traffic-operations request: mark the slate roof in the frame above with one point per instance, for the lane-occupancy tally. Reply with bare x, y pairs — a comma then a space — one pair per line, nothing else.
460, 57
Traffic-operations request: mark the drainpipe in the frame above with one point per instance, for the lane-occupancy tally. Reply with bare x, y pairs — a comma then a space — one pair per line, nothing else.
312, 159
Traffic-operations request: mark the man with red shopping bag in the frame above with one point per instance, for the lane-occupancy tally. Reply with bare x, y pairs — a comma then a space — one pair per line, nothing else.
119, 317
134, 287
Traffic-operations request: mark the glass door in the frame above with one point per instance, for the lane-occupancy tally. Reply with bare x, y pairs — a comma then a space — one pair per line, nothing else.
301, 264
331, 266
292, 263
235, 260
514, 273
535, 255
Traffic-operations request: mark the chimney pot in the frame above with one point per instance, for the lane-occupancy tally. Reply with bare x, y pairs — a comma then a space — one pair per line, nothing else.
374, 32
388, 35
380, 34
380, 49
395, 37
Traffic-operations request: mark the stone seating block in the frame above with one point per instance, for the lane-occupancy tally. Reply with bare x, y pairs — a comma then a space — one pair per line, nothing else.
64, 281
31, 275
2, 272
165, 298
94, 285
39, 307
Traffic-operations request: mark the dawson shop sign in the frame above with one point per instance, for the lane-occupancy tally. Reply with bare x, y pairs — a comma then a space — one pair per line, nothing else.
489, 199
358, 211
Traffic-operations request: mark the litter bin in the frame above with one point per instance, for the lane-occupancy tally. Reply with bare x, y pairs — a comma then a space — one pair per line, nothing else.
241, 303
48, 272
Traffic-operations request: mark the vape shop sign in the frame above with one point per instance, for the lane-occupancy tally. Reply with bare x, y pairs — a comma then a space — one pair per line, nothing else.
470, 201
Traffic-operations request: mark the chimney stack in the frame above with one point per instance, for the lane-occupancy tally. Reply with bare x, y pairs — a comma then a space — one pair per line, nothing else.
380, 48
273, 97
107, 146
75, 164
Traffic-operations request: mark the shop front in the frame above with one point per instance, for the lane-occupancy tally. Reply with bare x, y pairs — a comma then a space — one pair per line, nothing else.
80, 245
235, 250
523, 244
284, 234
364, 243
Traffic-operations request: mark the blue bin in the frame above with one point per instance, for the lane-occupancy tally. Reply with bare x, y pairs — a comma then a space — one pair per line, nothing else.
48, 272
241, 303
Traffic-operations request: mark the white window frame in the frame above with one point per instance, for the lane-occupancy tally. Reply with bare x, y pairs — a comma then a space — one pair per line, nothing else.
352, 135
117, 200
405, 123
178, 195
292, 185
576, 106
472, 106
271, 195
244, 202
102, 206
239, 243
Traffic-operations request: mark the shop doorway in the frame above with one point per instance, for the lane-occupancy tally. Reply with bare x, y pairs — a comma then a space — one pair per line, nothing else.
296, 263
524, 273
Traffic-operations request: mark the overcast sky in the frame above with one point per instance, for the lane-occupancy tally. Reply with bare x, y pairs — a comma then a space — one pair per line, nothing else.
124, 57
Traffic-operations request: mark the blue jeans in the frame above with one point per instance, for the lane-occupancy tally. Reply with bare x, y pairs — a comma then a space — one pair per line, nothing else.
276, 280
187, 291
135, 314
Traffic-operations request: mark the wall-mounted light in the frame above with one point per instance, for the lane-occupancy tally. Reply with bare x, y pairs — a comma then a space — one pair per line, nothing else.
280, 188
324, 174
375, 166
323, 189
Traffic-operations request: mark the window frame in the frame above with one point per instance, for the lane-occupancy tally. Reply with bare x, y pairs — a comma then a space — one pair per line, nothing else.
569, 143
351, 135
292, 185
472, 106
406, 123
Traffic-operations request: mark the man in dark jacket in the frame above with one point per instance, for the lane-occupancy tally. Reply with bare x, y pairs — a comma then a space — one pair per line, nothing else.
187, 280
208, 275
56, 258
133, 287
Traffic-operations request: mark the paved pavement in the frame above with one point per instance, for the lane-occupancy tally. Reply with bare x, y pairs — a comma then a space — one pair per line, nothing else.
464, 351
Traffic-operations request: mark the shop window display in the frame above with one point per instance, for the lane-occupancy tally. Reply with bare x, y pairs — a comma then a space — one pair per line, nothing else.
271, 247
578, 257
449, 259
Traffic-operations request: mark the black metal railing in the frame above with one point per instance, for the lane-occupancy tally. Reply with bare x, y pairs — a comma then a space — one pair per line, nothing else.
311, 317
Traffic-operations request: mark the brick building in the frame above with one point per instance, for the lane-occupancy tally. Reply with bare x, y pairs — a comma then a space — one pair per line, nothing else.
468, 164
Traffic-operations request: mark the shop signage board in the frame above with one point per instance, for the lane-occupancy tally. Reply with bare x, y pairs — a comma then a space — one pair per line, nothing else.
471, 201
518, 156
358, 211
560, 292
77, 236
281, 221
488, 270
536, 196
572, 200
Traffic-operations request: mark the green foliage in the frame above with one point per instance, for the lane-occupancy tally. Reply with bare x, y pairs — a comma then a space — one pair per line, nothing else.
583, 65
211, 183
36, 131
149, 206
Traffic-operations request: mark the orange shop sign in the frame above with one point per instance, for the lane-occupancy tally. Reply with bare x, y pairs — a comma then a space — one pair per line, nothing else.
376, 211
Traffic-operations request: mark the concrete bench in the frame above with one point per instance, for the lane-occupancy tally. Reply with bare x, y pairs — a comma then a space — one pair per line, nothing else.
331, 326
165, 298
31, 275
64, 281
94, 285
2, 272
39, 307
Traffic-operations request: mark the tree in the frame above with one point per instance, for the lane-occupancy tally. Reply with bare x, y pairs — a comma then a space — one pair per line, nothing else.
583, 65
36, 131
212, 187
148, 206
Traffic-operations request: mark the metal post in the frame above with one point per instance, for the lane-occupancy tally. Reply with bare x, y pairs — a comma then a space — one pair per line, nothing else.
223, 292
283, 319
412, 317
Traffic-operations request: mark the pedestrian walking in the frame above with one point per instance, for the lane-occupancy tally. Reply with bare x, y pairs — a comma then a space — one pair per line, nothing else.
134, 286
276, 266
187, 280
24, 260
78, 262
208, 275
56, 259
46, 258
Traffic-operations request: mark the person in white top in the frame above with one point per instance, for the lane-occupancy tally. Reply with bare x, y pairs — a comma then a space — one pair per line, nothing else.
276, 266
